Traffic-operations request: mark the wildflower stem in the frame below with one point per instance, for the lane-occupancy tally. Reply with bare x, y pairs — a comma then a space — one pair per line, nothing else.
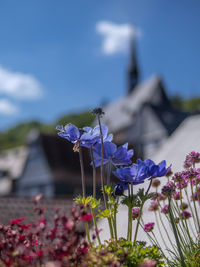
87, 232
82, 172
195, 207
175, 234
157, 223
130, 212
140, 213
94, 173
188, 201
102, 181
95, 225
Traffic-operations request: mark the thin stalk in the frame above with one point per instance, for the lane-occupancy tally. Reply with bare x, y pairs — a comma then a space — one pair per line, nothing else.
156, 216
130, 212
94, 173
184, 238
102, 179
183, 223
101, 168
185, 220
195, 207
95, 225
109, 167
115, 224
140, 213
188, 201
82, 172
128, 228
87, 232
176, 235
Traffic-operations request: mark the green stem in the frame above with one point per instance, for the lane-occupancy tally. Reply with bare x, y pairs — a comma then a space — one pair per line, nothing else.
87, 232
101, 168
94, 173
157, 223
176, 235
195, 208
188, 201
82, 172
95, 225
140, 213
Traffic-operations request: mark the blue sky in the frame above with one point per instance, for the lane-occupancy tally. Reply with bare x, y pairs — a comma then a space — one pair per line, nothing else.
65, 56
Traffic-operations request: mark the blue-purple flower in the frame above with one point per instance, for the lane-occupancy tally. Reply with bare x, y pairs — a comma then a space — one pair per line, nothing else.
153, 169
91, 136
86, 136
117, 156
69, 132
135, 173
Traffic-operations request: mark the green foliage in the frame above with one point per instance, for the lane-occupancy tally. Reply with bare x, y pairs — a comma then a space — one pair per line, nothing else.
109, 189
88, 201
131, 201
107, 213
80, 120
188, 105
123, 253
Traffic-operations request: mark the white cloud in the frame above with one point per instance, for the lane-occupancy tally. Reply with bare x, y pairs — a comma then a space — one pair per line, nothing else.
116, 36
7, 108
19, 85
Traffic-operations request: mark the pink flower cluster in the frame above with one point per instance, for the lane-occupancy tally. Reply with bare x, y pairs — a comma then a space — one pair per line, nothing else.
149, 227
191, 159
135, 213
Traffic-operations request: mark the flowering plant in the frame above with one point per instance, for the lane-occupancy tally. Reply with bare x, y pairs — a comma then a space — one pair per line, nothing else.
117, 160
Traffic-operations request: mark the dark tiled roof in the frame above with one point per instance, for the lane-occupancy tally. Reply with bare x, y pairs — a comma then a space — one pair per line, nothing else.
59, 153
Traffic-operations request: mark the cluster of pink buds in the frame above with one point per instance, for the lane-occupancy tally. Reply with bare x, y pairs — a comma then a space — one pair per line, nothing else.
192, 159
149, 227
135, 213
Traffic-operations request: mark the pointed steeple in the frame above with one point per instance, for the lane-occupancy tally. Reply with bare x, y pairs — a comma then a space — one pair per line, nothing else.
133, 74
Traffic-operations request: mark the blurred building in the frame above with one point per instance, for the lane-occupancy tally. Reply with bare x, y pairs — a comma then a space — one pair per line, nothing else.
46, 165
144, 117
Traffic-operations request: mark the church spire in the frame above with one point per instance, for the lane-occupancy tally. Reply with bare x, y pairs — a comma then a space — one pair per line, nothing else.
133, 75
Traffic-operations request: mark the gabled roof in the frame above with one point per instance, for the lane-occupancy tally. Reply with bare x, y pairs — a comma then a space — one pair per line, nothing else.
120, 114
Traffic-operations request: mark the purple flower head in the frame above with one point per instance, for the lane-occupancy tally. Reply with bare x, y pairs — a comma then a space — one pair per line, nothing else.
153, 169
135, 213
69, 132
119, 189
168, 189
191, 159
117, 156
177, 195
185, 215
86, 136
135, 173
178, 177
165, 209
91, 136
182, 184
149, 227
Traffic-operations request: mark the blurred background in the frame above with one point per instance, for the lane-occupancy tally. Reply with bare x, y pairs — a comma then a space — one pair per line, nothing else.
138, 59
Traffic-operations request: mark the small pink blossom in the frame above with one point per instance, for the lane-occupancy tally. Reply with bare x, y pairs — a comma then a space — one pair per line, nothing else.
149, 227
